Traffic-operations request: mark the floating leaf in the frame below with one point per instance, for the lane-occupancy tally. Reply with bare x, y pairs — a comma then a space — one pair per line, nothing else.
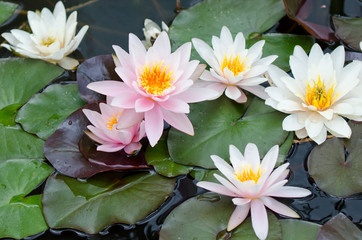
92, 205
332, 171
206, 19
222, 122
339, 227
206, 217
6, 10
20, 78
62, 149
161, 161
202, 174
43, 113
17, 144
299, 230
349, 30
98, 68
284, 149
21, 216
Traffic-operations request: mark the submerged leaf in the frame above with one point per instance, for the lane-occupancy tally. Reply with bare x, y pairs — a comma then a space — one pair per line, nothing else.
6, 10
349, 30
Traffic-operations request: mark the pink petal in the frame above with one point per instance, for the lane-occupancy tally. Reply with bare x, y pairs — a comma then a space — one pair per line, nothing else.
278, 207
136, 49
144, 105
179, 121
109, 88
132, 147
217, 188
154, 125
259, 219
198, 94
290, 192
162, 44
251, 155
277, 175
126, 74
110, 147
235, 157
242, 98
269, 160
232, 92
129, 118
228, 185
126, 99
258, 91
175, 105
238, 216
241, 201
123, 57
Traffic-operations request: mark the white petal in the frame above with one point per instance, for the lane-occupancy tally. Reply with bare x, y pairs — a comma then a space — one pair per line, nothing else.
238, 216
278, 207
259, 219
338, 127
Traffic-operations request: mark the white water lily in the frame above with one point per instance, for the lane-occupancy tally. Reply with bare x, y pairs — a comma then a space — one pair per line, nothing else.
233, 67
253, 184
151, 32
52, 38
321, 93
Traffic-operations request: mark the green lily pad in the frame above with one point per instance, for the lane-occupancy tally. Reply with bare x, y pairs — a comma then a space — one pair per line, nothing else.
102, 200
339, 227
6, 10
206, 19
43, 113
210, 214
161, 161
222, 122
17, 144
332, 171
282, 45
21, 216
202, 174
349, 30
20, 78
299, 230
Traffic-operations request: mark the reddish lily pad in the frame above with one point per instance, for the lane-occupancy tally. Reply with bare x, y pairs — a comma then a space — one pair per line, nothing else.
62, 149
98, 68
349, 30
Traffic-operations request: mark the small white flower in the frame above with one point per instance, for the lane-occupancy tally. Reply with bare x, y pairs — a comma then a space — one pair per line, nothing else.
232, 66
151, 32
52, 38
321, 92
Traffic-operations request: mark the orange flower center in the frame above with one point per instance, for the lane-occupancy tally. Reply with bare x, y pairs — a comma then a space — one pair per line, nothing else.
234, 64
113, 120
318, 96
155, 79
248, 174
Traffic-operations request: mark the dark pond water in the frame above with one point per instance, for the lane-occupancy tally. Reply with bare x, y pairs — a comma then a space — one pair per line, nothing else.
110, 22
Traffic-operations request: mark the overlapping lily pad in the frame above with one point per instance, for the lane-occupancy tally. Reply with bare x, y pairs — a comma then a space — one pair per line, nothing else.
20, 78
299, 230
62, 149
21, 216
334, 171
222, 122
349, 30
210, 214
98, 68
103, 200
6, 10
43, 113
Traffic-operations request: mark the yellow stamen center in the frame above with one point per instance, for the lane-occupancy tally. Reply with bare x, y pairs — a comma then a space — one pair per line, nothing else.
234, 64
248, 174
113, 120
48, 41
318, 96
155, 79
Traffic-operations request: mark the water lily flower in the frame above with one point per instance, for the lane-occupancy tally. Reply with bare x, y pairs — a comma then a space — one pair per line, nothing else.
252, 185
151, 31
52, 38
321, 93
233, 67
157, 84
104, 130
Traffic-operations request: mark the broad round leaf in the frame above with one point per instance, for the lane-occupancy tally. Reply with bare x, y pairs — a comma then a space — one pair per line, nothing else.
349, 30
201, 174
17, 144
21, 216
103, 200
222, 122
339, 227
299, 230
62, 149
206, 217
332, 171
20, 78
6, 10
98, 68
43, 113
161, 161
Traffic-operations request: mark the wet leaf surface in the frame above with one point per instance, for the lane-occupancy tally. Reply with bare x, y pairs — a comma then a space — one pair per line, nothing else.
6, 10
102, 200
293, 229
43, 113
349, 30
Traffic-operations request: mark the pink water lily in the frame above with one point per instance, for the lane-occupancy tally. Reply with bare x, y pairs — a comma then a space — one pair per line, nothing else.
232, 66
104, 130
252, 185
157, 84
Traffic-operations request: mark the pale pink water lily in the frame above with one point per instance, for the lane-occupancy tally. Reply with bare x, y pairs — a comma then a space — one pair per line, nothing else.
151, 31
322, 92
157, 84
232, 66
252, 185
52, 38
104, 130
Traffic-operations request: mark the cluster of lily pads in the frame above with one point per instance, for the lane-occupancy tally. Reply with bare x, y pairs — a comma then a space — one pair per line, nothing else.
112, 119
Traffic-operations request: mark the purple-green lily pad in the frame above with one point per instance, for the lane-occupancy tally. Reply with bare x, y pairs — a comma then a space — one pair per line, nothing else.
349, 30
